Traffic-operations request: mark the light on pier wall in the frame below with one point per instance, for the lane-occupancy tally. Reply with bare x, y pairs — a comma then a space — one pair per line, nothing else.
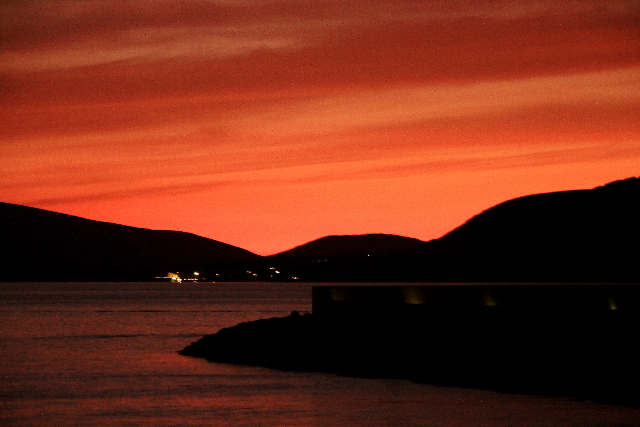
413, 295
488, 300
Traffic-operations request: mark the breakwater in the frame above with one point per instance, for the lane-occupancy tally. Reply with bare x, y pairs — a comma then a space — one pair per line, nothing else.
576, 340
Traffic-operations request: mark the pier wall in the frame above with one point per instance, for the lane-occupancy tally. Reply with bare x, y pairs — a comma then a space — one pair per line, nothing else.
539, 299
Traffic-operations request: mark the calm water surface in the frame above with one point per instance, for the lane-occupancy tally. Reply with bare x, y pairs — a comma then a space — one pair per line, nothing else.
82, 354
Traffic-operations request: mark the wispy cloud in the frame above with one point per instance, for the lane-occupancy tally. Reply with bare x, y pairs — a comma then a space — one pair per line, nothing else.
70, 34
144, 45
92, 195
446, 160
415, 103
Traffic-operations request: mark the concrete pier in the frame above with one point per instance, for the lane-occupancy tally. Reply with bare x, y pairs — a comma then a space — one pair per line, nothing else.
533, 299
573, 340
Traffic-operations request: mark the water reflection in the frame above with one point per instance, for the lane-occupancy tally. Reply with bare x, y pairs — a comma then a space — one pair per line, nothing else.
95, 355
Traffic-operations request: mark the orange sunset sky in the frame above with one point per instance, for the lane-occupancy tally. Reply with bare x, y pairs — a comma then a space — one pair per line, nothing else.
267, 124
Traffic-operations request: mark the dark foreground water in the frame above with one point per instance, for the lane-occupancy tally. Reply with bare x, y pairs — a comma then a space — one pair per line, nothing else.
77, 354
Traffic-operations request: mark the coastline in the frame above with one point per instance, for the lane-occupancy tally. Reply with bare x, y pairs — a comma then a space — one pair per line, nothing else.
506, 355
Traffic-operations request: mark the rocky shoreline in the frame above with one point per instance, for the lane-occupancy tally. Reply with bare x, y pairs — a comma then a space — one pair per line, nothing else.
589, 362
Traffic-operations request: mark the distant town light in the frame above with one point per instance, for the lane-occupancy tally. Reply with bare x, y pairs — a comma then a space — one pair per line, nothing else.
195, 273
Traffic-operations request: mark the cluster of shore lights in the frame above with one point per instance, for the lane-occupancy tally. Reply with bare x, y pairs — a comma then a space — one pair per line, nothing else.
175, 277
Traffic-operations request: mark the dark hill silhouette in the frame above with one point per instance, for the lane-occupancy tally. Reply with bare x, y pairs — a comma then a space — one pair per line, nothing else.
568, 236
582, 235
43, 245
341, 258
331, 246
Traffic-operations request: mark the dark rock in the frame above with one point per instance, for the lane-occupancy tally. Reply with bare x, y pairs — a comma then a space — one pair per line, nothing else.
485, 350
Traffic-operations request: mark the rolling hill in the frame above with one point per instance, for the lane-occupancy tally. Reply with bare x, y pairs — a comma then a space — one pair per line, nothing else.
568, 236
43, 245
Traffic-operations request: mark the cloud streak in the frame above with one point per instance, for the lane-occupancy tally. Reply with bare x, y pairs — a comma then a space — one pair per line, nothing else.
425, 103
149, 44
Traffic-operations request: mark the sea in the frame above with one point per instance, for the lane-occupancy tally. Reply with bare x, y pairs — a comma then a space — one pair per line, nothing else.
100, 354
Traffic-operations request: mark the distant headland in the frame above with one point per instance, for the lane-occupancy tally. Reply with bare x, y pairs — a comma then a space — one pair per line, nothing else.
568, 236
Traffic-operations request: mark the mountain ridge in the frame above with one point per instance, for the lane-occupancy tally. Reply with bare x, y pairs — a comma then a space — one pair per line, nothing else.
565, 236
45, 245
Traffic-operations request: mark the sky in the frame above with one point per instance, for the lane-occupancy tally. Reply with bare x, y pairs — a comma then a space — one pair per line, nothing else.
268, 124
